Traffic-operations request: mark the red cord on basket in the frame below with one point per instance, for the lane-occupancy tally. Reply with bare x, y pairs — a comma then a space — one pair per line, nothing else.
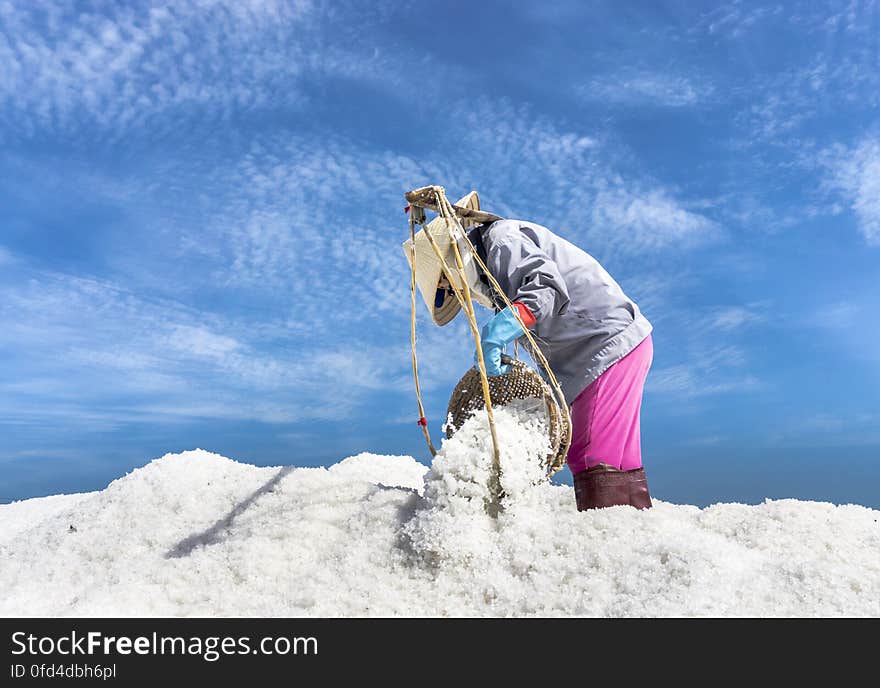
423, 421
406, 210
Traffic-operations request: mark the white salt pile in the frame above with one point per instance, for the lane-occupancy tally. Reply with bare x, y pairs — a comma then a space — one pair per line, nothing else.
198, 534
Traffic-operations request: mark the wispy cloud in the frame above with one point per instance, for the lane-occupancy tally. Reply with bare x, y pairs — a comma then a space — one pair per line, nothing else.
779, 107
291, 209
252, 158
855, 173
122, 64
529, 167
306, 233
201, 342
836, 316
645, 89
167, 66
737, 18
731, 318
829, 428
168, 359
711, 360
649, 219
689, 381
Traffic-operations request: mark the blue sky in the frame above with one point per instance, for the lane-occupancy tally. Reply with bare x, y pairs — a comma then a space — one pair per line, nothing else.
202, 216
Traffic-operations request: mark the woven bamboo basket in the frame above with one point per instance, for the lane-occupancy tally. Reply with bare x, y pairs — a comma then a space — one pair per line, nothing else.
520, 382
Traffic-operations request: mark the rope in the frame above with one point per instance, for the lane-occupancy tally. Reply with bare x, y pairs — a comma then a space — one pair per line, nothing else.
423, 422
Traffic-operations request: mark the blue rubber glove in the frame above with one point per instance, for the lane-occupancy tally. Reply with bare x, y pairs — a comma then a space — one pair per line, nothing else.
498, 332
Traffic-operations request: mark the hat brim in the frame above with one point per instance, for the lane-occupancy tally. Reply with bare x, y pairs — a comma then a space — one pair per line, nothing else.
429, 268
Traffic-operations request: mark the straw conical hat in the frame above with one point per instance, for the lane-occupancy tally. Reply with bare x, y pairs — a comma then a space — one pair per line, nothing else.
429, 270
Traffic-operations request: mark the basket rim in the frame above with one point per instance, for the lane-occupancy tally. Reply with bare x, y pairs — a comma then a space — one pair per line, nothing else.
559, 421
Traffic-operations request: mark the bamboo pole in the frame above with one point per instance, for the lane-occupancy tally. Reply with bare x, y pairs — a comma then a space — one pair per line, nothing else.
495, 481
425, 198
415, 366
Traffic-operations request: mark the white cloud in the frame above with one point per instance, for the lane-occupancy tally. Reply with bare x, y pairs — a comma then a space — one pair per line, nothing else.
123, 66
201, 342
789, 104
836, 316
710, 365
688, 381
855, 173
735, 317
778, 105
733, 20
652, 291
529, 167
752, 211
647, 220
844, 429
312, 232
305, 230
322, 222
774, 117
645, 88
82, 342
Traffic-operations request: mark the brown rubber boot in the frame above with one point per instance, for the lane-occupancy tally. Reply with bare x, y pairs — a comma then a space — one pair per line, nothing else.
603, 485
638, 489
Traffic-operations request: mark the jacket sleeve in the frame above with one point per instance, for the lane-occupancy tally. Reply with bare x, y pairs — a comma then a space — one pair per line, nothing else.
528, 275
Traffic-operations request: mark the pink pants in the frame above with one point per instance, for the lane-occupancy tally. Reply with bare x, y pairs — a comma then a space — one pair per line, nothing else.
605, 416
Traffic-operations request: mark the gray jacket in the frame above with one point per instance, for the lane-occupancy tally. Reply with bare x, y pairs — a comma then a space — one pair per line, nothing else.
585, 323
